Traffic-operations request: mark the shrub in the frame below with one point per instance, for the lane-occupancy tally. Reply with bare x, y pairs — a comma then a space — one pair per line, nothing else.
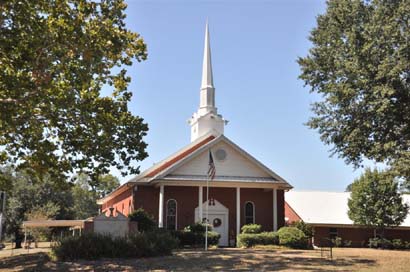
292, 237
153, 243
347, 243
94, 246
398, 244
307, 229
251, 228
337, 241
145, 221
253, 239
197, 228
194, 235
380, 243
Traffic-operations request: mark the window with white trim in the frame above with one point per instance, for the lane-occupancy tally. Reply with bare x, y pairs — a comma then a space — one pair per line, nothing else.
171, 216
249, 213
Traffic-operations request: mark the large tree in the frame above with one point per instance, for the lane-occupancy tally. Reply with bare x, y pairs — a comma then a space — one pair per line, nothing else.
56, 56
375, 201
86, 193
359, 65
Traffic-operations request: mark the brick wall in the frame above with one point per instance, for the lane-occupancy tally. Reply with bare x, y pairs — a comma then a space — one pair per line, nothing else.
121, 203
290, 214
358, 236
147, 197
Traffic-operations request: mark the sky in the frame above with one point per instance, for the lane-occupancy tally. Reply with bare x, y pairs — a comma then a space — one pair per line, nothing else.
255, 45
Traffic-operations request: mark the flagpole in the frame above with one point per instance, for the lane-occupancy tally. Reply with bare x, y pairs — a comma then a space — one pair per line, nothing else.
206, 213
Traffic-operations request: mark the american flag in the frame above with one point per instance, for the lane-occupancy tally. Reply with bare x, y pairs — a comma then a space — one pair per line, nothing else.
211, 167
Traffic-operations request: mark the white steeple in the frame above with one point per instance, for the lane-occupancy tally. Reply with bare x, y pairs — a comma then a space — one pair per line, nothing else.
206, 119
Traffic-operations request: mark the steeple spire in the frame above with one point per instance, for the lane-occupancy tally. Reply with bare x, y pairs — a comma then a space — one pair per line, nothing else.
207, 100
207, 78
206, 120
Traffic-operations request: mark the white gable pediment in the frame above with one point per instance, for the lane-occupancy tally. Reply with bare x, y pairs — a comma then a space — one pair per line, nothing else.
235, 164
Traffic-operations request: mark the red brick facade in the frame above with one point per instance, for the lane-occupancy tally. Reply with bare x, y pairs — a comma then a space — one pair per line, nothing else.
147, 197
358, 236
290, 214
122, 203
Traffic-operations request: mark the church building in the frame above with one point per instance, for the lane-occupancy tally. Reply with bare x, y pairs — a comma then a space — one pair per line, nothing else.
174, 191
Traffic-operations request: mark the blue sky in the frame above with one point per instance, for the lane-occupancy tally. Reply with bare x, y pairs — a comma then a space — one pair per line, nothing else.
255, 45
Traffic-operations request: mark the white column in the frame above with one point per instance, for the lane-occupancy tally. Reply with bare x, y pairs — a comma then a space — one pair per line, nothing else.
161, 207
238, 211
275, 210
200, 201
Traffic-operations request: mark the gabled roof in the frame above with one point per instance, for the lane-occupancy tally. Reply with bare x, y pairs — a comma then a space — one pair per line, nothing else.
149, 173
162, 169
275, 178
330, 208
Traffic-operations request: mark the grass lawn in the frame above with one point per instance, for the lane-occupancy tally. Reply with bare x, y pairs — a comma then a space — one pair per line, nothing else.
232, 259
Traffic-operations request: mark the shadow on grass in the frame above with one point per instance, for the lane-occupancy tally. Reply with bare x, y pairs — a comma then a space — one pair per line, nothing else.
188, 260
25, 262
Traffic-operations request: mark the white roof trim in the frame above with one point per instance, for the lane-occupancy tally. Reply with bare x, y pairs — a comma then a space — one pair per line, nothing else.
208, 145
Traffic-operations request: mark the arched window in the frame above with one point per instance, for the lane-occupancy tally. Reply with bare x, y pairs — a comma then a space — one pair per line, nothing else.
249, 213
171, 219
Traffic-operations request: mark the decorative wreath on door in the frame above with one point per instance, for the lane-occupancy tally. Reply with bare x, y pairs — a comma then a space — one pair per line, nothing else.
217, 222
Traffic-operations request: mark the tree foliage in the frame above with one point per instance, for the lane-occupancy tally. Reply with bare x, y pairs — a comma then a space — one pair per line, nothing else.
375, 201
359, 64
30, 198
56, 56
85, 196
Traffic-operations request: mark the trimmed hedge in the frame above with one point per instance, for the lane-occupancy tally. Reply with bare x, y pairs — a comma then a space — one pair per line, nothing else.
95, 246
388, 244
293, 237
253, 239
194, 235
251, 228
187, 238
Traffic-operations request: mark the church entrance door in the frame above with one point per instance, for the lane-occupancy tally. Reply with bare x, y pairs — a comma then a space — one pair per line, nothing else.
218, 219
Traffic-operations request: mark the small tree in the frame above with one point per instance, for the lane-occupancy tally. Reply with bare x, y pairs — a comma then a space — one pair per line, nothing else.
375, 201
145, 220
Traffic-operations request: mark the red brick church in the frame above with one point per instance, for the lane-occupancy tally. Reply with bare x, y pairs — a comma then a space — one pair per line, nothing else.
174, 190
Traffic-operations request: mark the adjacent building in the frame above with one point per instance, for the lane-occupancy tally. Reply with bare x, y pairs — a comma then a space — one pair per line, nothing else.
326, 212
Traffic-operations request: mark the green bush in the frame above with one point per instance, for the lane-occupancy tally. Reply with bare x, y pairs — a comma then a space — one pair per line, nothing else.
94, 246
380, 243
307, 229
292, 237
337, 242
145, 221
388, 244
197, 228
251, 228
253, 239
194, 235
347, 243
398, 244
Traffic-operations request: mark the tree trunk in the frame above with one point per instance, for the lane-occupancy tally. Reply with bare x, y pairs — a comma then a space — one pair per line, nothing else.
18, 239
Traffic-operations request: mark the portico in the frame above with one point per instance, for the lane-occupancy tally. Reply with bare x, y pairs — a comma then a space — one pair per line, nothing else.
191, 206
